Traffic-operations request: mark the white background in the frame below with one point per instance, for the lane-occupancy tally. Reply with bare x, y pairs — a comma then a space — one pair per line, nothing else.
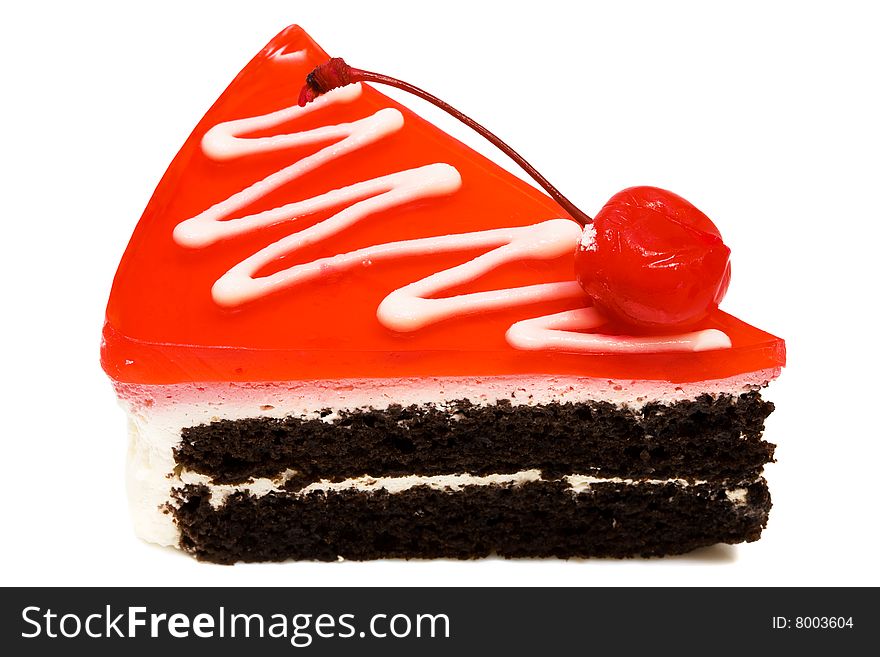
764, 114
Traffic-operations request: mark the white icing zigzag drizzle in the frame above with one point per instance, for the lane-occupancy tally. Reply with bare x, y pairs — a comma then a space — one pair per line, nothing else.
415, 305
563, 332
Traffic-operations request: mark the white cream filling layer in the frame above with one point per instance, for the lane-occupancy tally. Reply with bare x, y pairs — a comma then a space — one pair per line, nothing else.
583, 484
578, 484
259, 487
158, 413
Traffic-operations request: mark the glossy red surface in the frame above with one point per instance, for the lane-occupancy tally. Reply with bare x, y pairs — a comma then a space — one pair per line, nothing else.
163, 326
657, 261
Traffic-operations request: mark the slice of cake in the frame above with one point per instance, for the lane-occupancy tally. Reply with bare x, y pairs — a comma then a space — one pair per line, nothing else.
339, 332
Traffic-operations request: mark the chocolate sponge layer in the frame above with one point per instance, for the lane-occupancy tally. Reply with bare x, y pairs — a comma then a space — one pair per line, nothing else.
536, 519
710, 438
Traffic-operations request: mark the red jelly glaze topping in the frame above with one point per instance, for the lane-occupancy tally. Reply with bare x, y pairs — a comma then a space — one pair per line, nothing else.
655, 260
163, 326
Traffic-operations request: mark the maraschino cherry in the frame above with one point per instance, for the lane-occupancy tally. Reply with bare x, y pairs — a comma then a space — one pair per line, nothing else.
652, 259
649, 259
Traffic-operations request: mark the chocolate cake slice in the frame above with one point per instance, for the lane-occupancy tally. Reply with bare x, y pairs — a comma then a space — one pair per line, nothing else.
527, 466
338, 332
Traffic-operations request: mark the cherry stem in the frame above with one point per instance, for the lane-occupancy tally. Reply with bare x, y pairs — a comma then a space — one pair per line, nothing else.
349, 74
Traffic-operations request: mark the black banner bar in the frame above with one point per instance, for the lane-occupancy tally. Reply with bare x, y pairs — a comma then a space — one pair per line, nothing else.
401, 621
